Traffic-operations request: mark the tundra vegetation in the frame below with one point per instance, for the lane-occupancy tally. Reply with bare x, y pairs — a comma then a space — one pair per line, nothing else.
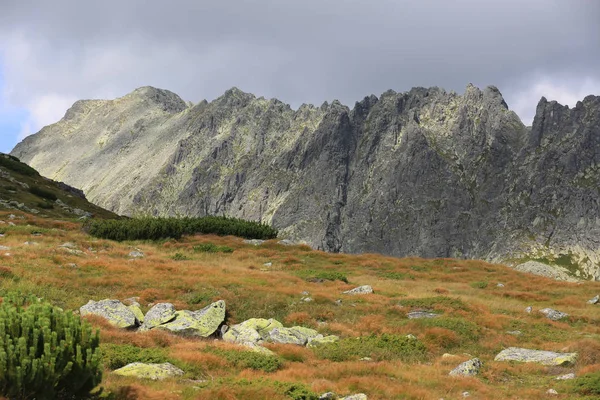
381, 352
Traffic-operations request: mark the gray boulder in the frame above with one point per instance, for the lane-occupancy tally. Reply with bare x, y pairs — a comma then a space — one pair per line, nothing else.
595, 300
536, 356
155, 372
365, 289
552, 314
421, 314
294, 335
113, 311
358, 396
201, 323
467, 368
159, 314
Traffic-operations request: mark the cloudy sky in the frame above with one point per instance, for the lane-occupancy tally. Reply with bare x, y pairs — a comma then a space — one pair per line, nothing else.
305, 51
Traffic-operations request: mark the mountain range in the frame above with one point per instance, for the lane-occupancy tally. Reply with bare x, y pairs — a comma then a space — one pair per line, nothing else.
425, 172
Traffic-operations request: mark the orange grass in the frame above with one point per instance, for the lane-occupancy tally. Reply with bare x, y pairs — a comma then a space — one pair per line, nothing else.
251, 289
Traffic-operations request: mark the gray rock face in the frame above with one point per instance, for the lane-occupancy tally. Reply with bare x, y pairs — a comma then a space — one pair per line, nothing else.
538, 268
425, 172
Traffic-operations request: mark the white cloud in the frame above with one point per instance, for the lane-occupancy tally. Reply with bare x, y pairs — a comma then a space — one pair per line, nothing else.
45, 110
565, 91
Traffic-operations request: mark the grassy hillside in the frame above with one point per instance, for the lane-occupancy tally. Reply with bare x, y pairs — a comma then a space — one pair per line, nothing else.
22, 188
268, 280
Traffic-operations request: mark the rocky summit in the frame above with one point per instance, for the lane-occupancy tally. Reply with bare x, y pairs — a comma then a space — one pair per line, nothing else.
426, 172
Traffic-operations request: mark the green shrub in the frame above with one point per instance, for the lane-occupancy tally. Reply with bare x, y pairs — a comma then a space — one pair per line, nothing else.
213, 248
296, 391
249, 359
309, 274
115, 356
396, 275
43, 193
45, 206
479, 285
46, 353
588, 385
162, 228
15, 165
179, 257
378, 347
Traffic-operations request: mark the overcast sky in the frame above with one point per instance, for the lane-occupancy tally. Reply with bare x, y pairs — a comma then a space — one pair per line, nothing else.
305, 51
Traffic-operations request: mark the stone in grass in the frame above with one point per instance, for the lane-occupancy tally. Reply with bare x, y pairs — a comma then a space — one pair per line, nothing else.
321, 340
554, 315
294, 335
358, 396
136, 254
113, 311
548, 358
595, 300
421, 314
566, 377
155, 372
159, 314
365, 289
201, 323
468, 368
253, 330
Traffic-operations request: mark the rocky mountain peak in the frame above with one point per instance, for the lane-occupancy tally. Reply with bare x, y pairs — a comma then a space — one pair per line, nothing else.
424, 172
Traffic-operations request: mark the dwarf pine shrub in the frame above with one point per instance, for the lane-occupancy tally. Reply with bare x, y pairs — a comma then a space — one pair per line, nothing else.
46, 353
148, 228
43, 193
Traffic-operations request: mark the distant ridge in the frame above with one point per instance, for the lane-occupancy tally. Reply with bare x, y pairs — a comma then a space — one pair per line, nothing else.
425, 172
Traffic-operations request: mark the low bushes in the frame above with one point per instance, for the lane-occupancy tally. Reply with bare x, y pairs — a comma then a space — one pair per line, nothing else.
213, 248
162, 228
43, 193
378, 347
13, 163
115, 356
310, 274
249, 359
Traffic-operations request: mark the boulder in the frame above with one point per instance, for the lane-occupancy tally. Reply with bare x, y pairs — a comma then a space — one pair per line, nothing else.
421, 314
136, 254
294, 335
365, 289
537, 356
113, 311
254, 242
358, 396
254, 330
159, 314
549, 271
566, 377
137, 311
554, 315
595, 300
468, 368
201, 323
328, 396
156, 372
320, 340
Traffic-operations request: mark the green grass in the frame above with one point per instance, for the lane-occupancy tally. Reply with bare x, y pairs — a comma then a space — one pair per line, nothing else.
212, 248
309, 274
377, 347
115, 356
249, 359
437, 302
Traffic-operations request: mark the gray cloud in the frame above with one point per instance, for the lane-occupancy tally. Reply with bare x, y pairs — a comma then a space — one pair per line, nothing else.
305, 51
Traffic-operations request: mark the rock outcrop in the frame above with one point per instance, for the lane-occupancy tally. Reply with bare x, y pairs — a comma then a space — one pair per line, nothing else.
113, 311
536, 356
155, 372
425, 172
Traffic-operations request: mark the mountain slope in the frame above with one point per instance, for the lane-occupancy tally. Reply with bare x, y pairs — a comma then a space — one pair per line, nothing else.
22, 188
425, 172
